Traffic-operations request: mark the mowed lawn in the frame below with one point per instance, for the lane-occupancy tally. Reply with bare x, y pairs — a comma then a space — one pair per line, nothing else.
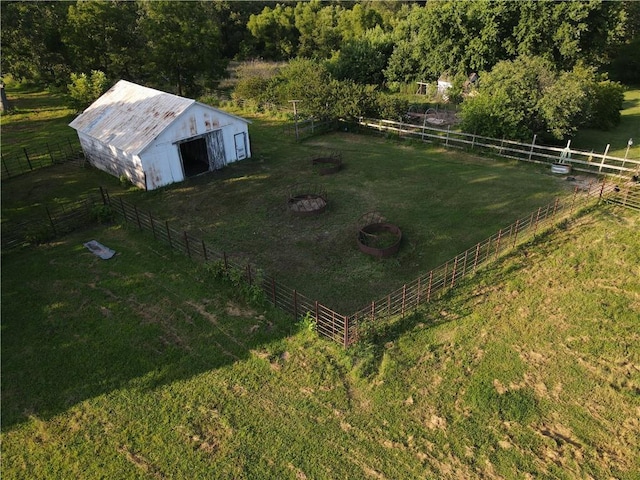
143, 366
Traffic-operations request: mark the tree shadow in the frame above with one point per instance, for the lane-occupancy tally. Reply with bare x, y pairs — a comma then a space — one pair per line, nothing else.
75, 327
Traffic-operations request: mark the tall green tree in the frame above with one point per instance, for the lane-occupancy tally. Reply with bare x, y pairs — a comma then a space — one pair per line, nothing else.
182, 49
32, 46
275, 32
103, 35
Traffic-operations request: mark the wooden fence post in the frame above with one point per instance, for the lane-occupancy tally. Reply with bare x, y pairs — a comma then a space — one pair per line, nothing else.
50, 154
606, 150
418, 296
373, 310
295, 305
166, 224
204, 251
429, 288
533, 142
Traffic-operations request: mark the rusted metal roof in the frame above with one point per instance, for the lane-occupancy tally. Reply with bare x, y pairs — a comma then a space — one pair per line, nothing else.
129, 116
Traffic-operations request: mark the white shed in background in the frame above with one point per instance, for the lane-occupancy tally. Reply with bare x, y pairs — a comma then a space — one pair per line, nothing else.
155, 138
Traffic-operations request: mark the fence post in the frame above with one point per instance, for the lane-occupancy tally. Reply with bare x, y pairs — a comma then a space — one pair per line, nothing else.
186, 243
53, 225
555, 208
153, 227
6, 169
124, 212
604, 157
475, 260
373, 310
249, 275
50, 154
601, 189
135, 209
515, 236
429, 288
453, 275
404, 298
204, 251
346, 331
166, 224
533, 142
498, 244
226, 263
447, 140
573, 200
418, 296
273, 291
24, 149
295, 305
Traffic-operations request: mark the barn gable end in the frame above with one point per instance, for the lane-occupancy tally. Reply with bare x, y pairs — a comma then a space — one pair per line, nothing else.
156, 138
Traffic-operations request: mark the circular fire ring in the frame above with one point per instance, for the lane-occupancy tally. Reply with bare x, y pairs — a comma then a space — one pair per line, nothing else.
329, 164
379, 238
307, 199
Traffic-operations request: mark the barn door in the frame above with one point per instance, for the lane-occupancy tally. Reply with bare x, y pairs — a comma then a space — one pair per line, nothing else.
215, 146
241, 145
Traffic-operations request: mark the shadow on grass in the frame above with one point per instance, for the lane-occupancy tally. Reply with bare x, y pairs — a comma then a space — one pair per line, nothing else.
75, 326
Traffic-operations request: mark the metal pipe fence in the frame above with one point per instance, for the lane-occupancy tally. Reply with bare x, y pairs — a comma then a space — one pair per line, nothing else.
437, 282
26, 158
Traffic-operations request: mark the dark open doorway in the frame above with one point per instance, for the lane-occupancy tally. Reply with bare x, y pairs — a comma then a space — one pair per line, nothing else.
195, 158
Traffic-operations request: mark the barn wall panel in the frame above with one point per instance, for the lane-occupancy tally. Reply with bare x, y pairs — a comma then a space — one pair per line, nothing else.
113, 160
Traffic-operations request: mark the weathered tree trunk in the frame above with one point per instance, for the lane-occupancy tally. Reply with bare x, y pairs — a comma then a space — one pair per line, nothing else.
3, 97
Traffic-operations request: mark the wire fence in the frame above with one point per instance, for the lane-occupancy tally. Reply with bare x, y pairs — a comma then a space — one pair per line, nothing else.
26, 158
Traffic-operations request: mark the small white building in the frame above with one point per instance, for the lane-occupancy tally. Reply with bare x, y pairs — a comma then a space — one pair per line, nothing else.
155, 138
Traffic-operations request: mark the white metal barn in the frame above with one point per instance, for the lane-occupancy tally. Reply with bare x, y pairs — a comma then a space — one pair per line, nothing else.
155, 138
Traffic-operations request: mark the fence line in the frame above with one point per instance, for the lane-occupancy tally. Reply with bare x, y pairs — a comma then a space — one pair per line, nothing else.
329, 323
579, 160
53, 222
30, 157
438, 281
344, 329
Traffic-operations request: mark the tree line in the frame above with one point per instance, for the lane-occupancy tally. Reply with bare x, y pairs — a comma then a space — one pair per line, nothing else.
356, 49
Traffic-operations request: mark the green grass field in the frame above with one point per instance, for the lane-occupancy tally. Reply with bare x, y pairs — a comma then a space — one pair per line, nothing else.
145, 366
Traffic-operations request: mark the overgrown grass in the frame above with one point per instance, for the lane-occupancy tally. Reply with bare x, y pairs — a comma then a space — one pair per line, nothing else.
142, 366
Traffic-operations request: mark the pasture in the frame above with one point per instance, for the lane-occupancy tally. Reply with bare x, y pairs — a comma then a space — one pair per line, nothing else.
147, 366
